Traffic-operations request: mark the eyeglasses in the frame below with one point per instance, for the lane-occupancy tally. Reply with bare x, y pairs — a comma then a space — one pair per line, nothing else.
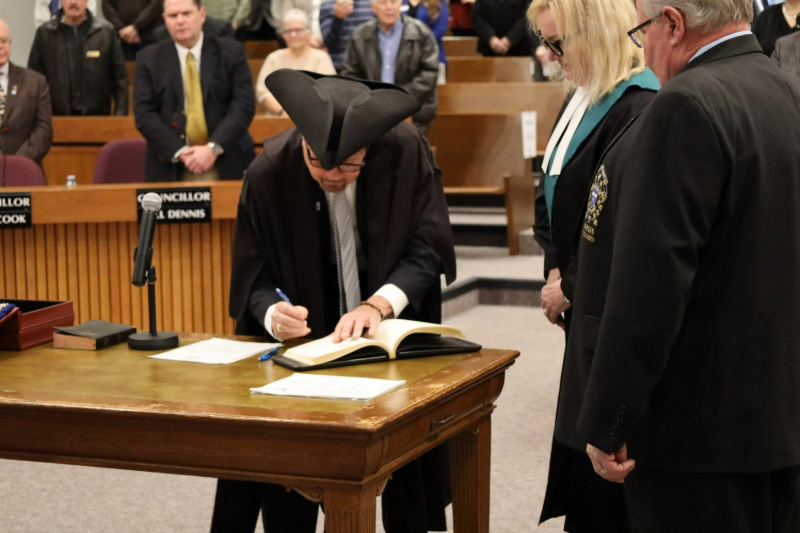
344, 167
553, 46
295, 32
638, 34
5, 42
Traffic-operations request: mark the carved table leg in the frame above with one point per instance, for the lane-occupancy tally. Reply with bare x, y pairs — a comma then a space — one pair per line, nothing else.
470, 461
350, 510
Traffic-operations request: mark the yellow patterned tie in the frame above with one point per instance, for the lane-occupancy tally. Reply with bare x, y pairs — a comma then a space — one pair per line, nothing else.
196, 128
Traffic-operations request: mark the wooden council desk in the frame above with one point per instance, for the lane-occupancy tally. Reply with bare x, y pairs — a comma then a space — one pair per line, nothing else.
115, 408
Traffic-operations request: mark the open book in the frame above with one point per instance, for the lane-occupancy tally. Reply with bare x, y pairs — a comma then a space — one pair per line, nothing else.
395, 339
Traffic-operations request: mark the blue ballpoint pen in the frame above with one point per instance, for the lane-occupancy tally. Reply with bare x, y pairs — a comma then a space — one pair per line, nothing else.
268, 354
283, 296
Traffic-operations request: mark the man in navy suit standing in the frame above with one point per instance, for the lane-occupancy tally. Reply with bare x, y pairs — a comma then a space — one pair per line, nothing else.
193, 101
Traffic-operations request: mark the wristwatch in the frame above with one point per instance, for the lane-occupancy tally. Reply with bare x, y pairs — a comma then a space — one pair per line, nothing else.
215, 148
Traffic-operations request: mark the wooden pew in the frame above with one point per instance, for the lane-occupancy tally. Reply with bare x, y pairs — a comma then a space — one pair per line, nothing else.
460, 46
259, 49
77, 140
489, 69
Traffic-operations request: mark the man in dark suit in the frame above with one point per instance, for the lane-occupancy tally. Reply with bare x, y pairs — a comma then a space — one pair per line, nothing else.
683, 355
193, 101
26, 126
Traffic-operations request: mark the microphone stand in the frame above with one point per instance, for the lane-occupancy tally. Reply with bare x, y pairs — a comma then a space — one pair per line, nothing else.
153, 339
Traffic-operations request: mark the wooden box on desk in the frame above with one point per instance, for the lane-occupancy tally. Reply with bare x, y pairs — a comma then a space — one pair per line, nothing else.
32, 323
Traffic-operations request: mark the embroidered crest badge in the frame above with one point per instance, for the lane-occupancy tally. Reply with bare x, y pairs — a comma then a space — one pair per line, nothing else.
597, 199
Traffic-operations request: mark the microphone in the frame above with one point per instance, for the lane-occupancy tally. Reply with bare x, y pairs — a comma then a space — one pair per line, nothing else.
143, 256
145, 271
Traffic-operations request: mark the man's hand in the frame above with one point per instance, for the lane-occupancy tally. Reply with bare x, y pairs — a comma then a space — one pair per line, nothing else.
289, 321
614, 467
129, 35
553, 301
315, 43
353, 323
342, 8
498, 45
198, 159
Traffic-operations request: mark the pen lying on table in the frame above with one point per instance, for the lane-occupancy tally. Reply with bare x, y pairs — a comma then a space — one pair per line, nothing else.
268, 354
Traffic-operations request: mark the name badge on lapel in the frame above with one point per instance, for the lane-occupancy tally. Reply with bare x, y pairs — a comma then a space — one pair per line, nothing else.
597, 199
14, 91
93, 53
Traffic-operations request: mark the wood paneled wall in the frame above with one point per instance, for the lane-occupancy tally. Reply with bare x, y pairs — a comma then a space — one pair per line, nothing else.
91, 263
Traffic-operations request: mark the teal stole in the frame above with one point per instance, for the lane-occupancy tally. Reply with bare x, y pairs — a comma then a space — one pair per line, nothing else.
591, 118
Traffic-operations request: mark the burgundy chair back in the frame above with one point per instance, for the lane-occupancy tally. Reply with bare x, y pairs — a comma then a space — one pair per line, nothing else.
121, 161
19, 171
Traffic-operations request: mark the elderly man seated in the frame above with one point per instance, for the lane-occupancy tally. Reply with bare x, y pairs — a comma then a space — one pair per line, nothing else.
299, 55
396, 49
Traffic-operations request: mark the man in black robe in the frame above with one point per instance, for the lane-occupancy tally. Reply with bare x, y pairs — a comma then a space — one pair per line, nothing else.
352, 155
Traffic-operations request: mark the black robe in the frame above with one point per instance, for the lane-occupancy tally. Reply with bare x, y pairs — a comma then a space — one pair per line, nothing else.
573, 489
283, 239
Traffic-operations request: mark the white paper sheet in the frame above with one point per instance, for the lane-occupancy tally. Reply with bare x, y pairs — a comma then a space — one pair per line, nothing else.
216, 351
335, 387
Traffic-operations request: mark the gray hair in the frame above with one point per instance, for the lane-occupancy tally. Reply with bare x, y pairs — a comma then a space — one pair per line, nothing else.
296, 14
708, 15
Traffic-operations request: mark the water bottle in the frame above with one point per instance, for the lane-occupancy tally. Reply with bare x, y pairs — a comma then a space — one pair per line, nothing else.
71, 181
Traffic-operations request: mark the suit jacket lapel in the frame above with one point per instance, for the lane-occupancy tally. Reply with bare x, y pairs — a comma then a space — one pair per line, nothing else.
172, 66
208, 66
14, 80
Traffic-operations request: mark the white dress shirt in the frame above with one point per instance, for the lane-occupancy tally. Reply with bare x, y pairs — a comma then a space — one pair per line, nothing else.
393, 294
183, 53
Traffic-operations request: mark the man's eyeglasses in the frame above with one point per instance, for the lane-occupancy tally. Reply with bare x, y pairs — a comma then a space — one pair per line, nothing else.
344, 167
638, 34
5, 42
295, 32
553, 46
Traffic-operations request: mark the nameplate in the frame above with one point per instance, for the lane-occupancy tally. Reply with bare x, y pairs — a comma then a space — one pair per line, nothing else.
15, 210
180, 205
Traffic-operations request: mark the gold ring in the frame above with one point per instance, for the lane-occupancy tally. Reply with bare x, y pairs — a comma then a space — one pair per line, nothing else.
603, 472
545, 312
278, 329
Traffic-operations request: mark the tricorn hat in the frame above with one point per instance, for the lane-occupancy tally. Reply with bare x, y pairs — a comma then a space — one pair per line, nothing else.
339, 116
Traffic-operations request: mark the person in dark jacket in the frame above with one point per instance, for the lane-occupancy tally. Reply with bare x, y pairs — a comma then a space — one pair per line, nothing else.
26, 126
776, 21
81, 57
681, 375
610, 85
502, 27
396, 49
193, 101
134, 21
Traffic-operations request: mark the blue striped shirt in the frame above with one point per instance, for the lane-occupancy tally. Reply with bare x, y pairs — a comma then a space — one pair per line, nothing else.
336, 33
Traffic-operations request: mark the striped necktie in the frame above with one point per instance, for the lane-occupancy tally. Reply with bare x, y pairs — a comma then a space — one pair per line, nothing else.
346, 262
196, 129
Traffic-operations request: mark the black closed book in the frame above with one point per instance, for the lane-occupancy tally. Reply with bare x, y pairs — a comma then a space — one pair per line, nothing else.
91, 335
413, 346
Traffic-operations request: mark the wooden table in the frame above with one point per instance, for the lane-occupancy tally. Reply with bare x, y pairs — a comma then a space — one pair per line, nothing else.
116, 408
